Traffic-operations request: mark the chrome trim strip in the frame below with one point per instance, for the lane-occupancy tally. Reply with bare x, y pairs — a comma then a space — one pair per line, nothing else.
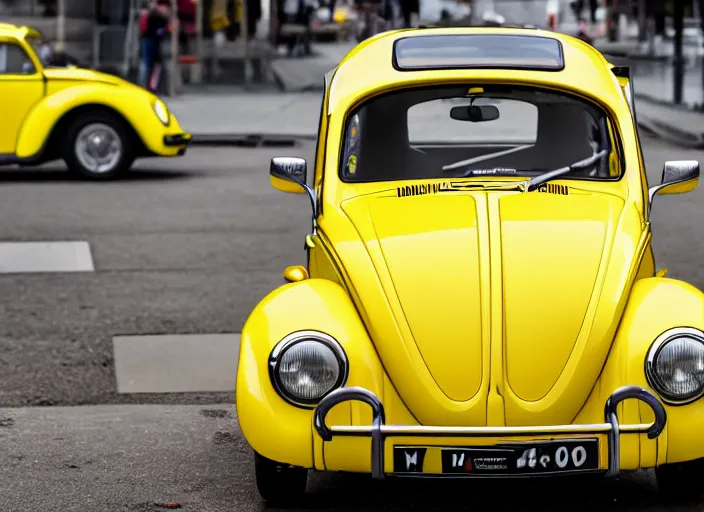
654, 350
421, 431
379, 432
296, 337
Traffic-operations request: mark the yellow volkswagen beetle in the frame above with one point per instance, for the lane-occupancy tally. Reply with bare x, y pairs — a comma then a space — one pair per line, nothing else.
98, 123
481, 297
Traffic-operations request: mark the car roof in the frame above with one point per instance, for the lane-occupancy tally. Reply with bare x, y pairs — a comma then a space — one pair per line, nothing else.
20, 32
370, 67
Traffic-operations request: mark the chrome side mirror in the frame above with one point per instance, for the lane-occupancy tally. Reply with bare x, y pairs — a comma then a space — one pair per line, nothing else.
289, 174
678, 177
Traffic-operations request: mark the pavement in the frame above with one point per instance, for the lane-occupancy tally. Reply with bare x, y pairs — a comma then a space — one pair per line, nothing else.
281, 118
122, 305
228, 115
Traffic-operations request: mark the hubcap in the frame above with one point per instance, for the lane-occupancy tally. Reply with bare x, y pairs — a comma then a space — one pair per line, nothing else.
98, 147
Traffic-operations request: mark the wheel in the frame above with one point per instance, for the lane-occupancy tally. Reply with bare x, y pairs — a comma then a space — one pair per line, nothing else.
98, 145
279, 483
682, 481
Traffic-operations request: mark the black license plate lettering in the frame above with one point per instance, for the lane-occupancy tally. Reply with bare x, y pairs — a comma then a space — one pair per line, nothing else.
531, 458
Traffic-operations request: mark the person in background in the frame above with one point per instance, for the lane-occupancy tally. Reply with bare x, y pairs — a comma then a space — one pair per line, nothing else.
187, 24
49, 8
656, 10
578, 8
410, 9
154, 20
298, 12
254, 14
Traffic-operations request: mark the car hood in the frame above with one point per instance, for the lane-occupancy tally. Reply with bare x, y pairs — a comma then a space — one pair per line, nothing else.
83, 75
460, 291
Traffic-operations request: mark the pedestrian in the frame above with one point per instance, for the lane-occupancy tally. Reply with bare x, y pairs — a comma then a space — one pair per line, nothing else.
254, 14
656, 10
49, 8
410, 10
585, 29
298, 13
154, 21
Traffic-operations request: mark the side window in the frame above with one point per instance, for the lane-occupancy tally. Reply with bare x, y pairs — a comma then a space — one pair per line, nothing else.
14, 60
351, 152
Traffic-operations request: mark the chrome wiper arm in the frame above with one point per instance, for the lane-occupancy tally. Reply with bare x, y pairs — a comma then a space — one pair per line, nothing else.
581, 164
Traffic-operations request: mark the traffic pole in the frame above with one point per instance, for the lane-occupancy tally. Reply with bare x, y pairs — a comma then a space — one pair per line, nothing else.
60, 25
245, 35
174, 68
642, 21
197, 68
678, 60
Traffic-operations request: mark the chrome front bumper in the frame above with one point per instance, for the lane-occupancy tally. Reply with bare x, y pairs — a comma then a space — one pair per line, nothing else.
378, 431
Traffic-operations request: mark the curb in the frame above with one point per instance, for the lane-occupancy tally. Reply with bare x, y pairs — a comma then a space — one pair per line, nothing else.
250, 140
671, 133
668, 131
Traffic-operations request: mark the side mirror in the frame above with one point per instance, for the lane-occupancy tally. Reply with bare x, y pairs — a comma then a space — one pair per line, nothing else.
678, 177
288, 174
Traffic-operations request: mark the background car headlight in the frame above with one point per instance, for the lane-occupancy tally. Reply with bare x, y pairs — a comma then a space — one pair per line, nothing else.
161, 112
675, 365
305, 366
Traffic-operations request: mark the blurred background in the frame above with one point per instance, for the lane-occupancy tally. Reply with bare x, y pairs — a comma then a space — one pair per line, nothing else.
118, 350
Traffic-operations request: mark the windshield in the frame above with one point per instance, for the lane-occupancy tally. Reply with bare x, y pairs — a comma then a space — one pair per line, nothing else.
479, 131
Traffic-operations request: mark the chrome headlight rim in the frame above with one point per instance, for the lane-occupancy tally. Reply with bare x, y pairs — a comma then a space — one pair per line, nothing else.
161, 111
290, 341
655, 348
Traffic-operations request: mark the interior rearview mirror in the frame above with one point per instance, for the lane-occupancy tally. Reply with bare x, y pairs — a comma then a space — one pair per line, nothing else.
678, 177
288, 174
475, 113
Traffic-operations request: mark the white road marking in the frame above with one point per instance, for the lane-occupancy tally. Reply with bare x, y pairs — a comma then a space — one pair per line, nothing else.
30, 257
176, 363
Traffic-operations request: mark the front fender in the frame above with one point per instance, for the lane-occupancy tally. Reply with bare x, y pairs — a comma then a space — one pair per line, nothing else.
657, 304
133, 103
271, 426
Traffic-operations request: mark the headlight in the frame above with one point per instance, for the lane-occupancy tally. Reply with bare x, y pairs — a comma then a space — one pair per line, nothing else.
675, 365
161, 112
305, 366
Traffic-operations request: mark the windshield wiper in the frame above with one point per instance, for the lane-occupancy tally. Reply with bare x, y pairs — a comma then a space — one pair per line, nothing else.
551, 175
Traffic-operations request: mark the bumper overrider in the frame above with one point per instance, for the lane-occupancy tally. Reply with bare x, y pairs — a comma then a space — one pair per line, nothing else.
178, 139
378, 431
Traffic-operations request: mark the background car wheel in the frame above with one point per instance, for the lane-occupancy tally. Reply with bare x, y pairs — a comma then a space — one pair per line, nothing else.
681, 481
98, 145
279, 483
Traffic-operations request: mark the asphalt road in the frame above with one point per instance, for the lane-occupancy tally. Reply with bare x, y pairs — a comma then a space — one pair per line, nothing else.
190, 246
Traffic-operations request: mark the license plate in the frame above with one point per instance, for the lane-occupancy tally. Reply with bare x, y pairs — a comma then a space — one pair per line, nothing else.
561, 456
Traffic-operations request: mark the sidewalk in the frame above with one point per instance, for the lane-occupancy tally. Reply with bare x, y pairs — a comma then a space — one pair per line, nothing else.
283, 118
229, 115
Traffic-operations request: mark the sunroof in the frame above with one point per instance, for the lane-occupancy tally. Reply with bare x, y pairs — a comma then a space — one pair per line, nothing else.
494, 51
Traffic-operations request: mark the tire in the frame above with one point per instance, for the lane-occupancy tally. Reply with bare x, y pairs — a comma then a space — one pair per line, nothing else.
116, 150
682, 481
279, 483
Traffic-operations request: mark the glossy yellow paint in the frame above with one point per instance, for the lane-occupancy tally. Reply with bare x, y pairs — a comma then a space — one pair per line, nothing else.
288, 186
679, 188
474, 308
295, 273
41, 99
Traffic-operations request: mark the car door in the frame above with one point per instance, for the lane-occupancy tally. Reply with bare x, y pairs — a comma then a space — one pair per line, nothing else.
21, 87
